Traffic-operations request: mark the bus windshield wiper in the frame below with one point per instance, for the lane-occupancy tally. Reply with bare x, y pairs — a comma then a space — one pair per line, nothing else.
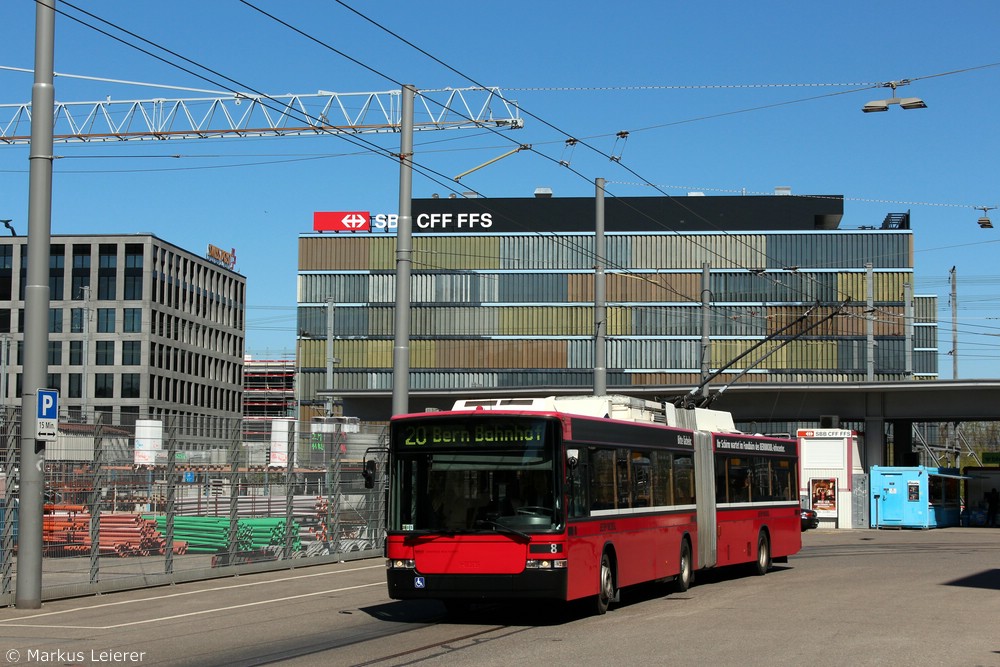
502, 528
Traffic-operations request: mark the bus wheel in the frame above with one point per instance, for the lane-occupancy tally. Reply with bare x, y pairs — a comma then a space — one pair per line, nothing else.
606, 585
763, 554
686, 576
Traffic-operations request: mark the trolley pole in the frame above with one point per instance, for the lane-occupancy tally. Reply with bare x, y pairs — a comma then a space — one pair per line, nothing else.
28, 594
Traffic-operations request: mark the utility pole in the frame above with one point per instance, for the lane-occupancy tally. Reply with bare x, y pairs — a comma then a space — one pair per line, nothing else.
404, 259
85, 353
954, 324
908, 319
330, 359
36, 308
706, 324
600, 295
870, 321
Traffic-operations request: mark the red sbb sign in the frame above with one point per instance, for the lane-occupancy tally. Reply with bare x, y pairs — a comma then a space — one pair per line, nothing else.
342, 221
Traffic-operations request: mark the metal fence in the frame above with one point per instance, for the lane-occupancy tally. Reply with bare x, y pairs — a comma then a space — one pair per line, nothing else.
154, 503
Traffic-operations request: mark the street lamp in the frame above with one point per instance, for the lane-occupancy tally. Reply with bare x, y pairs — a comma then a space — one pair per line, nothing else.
904, 102
985, 221
6, 223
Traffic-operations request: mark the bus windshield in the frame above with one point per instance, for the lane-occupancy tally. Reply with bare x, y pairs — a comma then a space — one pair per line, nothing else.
474, 473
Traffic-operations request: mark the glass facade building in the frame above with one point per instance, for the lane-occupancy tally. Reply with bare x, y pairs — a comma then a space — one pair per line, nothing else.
503, 295
138, 328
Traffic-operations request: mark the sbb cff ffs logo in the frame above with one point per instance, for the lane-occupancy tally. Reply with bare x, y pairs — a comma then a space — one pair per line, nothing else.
364, 221
341, 221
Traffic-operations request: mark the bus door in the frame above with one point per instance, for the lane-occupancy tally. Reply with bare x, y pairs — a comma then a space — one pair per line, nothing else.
704, 466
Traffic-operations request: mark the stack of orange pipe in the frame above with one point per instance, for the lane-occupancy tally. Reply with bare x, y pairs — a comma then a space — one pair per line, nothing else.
118, 534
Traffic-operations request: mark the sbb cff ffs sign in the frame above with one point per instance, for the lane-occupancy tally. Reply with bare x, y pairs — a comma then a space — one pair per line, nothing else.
353, 221
363, 221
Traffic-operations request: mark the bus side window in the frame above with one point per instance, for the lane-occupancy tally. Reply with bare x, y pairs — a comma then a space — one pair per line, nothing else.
642, 479
602, 479
577, 481
683, 480
662, 473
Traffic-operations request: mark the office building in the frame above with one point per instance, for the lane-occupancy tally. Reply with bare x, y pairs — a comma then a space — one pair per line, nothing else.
502, 297
138, 328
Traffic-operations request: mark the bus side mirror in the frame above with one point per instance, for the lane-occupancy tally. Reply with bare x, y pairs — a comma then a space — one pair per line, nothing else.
368, 472
572, 458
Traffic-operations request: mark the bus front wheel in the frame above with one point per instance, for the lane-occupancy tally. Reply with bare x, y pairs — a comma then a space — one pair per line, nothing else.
606, 585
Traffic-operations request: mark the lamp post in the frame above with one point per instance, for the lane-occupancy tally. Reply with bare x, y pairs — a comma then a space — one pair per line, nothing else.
985, 221
903, 102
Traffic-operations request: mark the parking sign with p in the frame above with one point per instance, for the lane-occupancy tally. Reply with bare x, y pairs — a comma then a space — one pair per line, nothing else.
47, 420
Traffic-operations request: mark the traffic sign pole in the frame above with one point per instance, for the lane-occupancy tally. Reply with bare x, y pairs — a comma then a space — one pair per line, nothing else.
28, 594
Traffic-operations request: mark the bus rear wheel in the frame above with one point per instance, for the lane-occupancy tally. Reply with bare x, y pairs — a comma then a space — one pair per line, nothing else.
686, 575
606, 585
763, 563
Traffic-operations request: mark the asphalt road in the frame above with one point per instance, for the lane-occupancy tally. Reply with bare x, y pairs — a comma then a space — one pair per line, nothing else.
864, 597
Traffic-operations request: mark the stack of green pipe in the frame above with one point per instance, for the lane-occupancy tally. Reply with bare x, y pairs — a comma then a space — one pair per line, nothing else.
210, 534
269, 531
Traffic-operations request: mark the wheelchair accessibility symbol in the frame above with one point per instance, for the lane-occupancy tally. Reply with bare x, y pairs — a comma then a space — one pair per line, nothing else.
418, 582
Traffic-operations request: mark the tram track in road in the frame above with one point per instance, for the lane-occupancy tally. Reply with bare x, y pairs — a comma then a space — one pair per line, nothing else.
440, 648
427, 640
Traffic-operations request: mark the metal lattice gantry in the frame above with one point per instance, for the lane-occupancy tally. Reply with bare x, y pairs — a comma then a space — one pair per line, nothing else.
251, 115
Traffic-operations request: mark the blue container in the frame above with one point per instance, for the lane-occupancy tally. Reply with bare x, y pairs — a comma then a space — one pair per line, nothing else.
914, 497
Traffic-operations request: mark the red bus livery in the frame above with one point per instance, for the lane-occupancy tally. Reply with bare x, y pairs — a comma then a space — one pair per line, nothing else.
577, 497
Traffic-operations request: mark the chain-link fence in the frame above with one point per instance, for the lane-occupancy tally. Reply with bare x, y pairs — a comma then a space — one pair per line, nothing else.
181, 499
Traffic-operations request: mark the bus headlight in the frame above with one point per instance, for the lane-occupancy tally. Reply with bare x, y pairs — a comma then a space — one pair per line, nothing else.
400, 564
545, 564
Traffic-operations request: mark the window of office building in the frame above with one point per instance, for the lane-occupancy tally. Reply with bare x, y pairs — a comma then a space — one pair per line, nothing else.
57, 271
133, 271
55, 320
6, 271
130, 385
77, 319
128, 414
76, 353
133, 320
81, 272
131, 352
104, 385
24, 271
107, 271
105, 353
106, 320
76, 385
55, 352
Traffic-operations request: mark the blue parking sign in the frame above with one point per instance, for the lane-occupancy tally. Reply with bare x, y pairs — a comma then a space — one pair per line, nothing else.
48, 404
47, 422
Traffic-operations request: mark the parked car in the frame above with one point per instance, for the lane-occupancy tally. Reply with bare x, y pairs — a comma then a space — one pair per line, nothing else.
809, 519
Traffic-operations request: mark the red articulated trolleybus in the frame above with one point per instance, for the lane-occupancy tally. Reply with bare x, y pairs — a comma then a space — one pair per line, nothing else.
574, 498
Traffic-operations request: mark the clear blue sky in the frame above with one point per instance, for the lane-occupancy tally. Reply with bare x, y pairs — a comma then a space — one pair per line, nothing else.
718, 97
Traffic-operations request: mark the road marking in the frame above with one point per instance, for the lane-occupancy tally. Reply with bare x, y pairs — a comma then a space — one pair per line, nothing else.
13, 622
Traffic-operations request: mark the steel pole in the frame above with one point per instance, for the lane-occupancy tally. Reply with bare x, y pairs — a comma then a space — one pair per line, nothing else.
600, 295
404, 259
28, 594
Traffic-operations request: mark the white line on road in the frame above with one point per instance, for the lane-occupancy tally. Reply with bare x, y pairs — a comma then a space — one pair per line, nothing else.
11, 622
